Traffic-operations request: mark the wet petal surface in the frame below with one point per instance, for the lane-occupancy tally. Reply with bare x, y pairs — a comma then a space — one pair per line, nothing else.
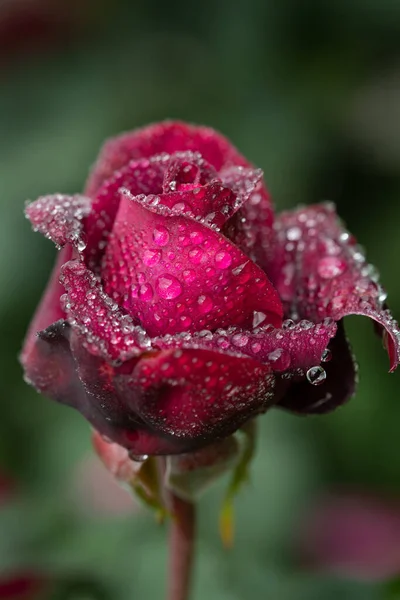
59, 218
104, 329
320, 271
294, 347
197, 395
169, 137
176, 274
335, 389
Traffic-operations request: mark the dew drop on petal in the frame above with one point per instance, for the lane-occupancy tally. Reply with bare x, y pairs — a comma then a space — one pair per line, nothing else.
168, 287
330, 267
205, 304
223, 259
316, 375
151, 257
161, 235
240, 339
326, 355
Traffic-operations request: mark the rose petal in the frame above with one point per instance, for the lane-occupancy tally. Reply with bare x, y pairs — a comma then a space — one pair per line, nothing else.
294, 347
197, 395
320, 272
49, 366
59, 218
143, 176
104, 329
169, 137
339, 386
49, 310
176, 274
59, 367
184, 181
250, 228
187, 171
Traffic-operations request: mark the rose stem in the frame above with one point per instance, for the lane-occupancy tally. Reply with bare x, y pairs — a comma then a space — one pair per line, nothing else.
181, 548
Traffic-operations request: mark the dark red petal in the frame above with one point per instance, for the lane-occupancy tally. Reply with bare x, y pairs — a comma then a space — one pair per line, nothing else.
104, 329
176, 274
49, 310
320, 272
85, 382
250, 228
169, 137
49, 366
59, 218
114, 414
144, 176
339, 386
187, 171
197, 396
294, 347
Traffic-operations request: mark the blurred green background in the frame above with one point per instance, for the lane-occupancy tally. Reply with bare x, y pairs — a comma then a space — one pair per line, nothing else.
310, 92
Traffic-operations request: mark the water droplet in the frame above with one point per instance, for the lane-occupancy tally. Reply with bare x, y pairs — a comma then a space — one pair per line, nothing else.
330, 267
81, 245
195, 255
146, 292
293, 234
326, 355
161, 235
189, 275
151, 257
223, 259
168, 287
138, 457
258, 318
316, 375
240, 339
205, 304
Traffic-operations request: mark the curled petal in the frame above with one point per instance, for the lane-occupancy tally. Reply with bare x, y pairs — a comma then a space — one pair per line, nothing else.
176, 274
339, 386
294, 347
144, 176
59, 367
105, 330
197, 395
49, 310
169, 137
319, 272
59, 218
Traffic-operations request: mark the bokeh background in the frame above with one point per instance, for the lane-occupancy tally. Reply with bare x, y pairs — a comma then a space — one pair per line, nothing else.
310, 92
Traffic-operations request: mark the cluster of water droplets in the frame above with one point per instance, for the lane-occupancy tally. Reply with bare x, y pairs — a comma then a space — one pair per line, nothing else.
59, 218
325, 272
106, 331
288, 350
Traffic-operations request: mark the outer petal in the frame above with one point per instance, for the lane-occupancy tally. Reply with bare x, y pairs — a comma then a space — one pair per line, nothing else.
176, 274
49, 310
197, 395
104, 329
289, 349
169, 137
320, 272
59, 218
339, 386
85, 382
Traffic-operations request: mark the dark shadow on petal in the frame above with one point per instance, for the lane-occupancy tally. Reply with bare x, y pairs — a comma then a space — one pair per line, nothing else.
340, 384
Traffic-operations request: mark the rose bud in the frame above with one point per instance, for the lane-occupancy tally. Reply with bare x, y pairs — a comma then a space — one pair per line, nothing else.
180, 307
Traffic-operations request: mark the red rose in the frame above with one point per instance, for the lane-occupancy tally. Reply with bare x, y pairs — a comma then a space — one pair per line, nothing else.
162, 322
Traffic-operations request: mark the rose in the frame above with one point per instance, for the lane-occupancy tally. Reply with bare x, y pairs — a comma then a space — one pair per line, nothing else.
163, 320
